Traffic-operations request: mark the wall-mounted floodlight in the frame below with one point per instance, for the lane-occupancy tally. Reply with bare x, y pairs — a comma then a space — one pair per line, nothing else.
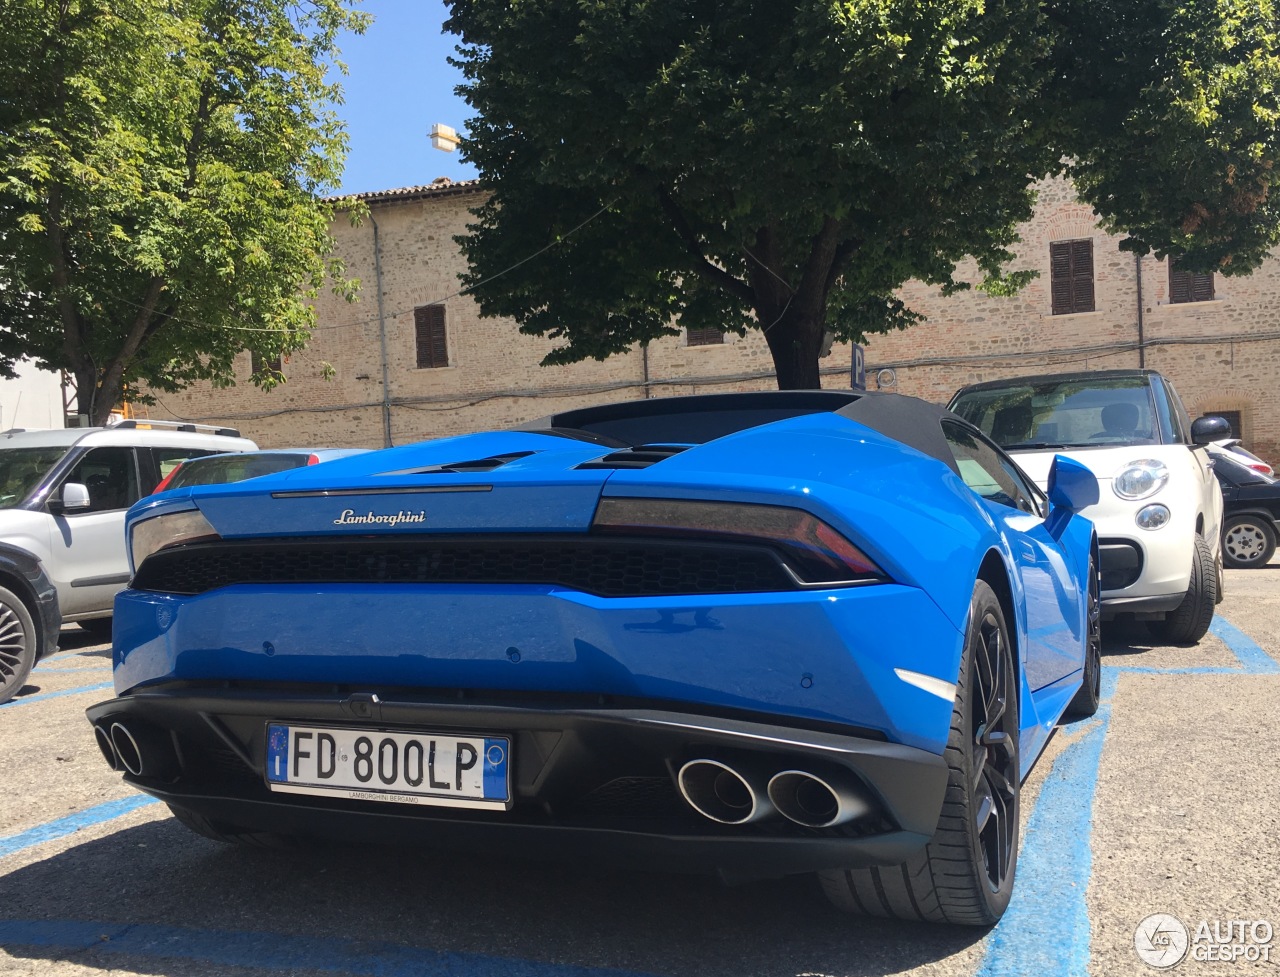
444, 138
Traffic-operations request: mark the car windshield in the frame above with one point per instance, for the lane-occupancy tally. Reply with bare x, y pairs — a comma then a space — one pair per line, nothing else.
1074, 413
234, 468
21, 470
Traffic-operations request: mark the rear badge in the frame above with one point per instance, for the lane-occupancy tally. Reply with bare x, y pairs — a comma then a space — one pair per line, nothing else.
350, 518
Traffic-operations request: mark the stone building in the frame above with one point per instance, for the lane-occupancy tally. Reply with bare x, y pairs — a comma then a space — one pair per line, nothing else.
412, 359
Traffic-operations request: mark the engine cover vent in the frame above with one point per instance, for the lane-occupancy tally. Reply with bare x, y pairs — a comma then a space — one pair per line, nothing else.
465, 467
641, 456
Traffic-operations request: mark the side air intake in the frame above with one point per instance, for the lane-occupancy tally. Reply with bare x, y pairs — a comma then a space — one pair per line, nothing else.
641, 456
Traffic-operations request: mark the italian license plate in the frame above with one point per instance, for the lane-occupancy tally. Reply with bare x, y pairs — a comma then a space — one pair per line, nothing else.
380, 765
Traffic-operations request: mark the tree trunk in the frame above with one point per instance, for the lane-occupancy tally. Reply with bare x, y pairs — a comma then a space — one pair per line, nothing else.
795, 342
86, 387
105, 402
792, 317
112, 383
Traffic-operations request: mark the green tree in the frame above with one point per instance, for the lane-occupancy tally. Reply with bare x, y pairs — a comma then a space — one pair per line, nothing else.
161, 169
786, 165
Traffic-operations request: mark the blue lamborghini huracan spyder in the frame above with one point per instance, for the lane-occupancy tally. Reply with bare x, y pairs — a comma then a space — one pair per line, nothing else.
753, 634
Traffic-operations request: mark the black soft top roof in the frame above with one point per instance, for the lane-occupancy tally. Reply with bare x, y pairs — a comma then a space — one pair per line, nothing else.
705, 417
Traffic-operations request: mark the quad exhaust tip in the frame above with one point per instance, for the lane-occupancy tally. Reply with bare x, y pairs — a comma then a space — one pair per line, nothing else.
142, 750
721, 793
107, 748
816, 802
126, 749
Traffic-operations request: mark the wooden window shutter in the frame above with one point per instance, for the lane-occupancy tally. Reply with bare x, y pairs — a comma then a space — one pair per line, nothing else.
1060, 276
1186, 286
430, 337
709, 336
1082, 276
1071, 276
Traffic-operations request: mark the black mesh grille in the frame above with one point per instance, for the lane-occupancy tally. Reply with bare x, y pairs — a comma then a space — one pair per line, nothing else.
610, 567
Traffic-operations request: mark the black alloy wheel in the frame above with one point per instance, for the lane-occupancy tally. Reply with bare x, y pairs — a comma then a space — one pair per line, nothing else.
17, 644
965, 873
1085, 702
995, 768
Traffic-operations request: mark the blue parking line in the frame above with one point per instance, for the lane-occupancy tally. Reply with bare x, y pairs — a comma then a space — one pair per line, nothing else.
1053, 876
91, 941
1252, 658
68, 654
27, 700
1054, 866
60, 828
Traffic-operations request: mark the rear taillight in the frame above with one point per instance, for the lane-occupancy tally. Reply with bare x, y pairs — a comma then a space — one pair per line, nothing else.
1261, 467
816, 554
146, 536
312, 460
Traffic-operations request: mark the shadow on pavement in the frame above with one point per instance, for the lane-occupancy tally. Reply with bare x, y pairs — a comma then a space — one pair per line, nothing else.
1127, 637
72, 638
158, 875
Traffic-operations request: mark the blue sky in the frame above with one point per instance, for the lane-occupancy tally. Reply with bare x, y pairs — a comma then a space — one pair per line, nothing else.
399, 84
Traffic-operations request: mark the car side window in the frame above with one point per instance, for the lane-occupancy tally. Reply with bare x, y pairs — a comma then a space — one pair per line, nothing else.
987, 472
1181, 420
111, 475
166, 460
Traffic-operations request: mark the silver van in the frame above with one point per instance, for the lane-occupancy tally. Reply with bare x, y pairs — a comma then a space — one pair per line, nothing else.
64, 493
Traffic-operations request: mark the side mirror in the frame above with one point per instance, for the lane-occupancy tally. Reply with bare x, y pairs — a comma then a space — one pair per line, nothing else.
1207, 429
1072, 486
74, 497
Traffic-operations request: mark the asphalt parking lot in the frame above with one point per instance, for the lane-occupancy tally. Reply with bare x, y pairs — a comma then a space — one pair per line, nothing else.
1167, 801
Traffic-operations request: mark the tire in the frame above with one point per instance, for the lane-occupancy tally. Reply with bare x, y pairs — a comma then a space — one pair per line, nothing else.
1085, 702
1248, 541
17, 644
1187, 623
98, 627
230, 835
965, 873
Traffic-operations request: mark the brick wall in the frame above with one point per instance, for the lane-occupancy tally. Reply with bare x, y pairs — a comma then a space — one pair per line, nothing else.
1221, 355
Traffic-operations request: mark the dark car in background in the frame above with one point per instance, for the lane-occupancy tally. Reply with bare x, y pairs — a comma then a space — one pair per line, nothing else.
29, 617
1251, 508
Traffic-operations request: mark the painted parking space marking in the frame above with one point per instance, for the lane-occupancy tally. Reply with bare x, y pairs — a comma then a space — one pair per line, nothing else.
61, 827
62, 655
27, 700
91, 941
1253, 660
1053, 875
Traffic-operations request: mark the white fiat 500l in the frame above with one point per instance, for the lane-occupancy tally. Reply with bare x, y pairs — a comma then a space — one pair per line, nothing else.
1160, 513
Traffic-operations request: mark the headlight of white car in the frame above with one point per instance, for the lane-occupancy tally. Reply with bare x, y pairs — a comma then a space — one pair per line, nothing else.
170, 529
1140, 479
